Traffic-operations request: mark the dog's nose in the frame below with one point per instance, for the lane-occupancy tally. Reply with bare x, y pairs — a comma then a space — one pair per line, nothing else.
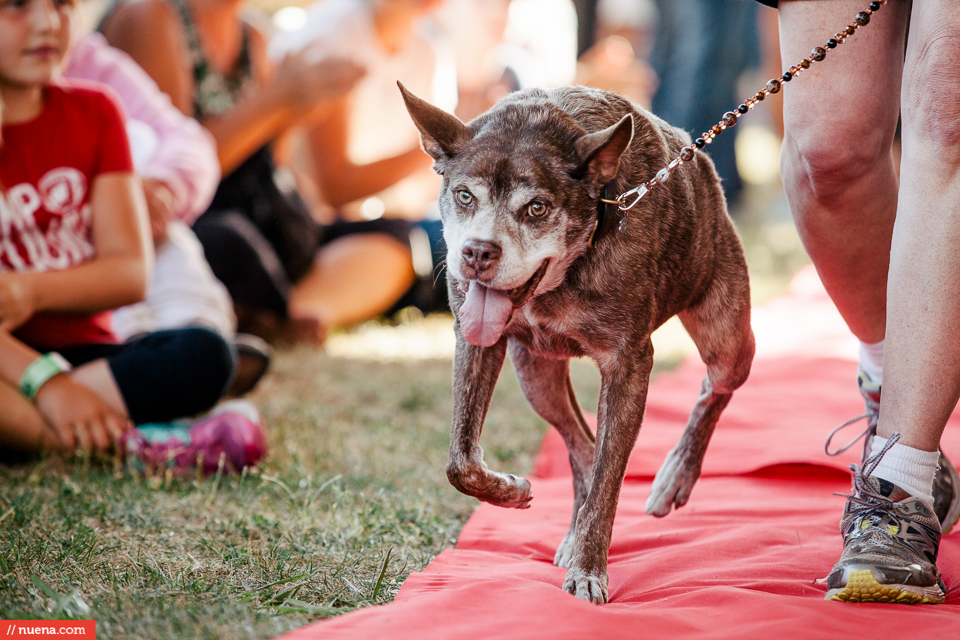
481, 255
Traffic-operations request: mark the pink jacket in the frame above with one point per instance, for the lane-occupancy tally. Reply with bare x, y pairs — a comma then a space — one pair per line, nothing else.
186, 155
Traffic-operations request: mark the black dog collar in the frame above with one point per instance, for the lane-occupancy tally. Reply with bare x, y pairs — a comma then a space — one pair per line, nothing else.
608, 213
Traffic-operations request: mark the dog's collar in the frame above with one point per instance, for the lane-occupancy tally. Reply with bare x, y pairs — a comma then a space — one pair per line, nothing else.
608, 213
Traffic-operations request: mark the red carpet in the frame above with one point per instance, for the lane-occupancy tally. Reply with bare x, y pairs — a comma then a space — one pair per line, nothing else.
740, 560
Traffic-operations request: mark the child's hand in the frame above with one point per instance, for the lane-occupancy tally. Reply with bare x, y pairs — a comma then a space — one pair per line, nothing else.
78, 415
160, 206
16, 301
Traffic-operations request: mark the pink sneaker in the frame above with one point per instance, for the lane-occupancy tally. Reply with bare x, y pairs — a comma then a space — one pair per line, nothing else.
232, 429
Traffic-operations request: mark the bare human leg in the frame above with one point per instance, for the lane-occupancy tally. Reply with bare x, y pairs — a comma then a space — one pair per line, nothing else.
353, 279
922, 354
845, 209
838, 172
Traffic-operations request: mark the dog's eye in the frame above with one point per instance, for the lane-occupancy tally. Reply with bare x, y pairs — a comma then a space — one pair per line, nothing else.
537, 209
464, 197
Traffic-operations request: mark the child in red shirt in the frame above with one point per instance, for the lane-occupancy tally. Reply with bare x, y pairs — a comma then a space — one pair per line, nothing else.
73, 245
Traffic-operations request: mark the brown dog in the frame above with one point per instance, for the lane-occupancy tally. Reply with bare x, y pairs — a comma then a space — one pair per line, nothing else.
531, 270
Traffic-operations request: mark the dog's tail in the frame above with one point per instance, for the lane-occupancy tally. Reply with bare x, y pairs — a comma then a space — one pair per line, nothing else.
579, 413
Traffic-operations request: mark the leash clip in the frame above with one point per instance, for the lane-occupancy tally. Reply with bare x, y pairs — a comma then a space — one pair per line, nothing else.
639, 192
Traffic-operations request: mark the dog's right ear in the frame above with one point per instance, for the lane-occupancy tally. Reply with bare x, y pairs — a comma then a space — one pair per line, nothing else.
441, 134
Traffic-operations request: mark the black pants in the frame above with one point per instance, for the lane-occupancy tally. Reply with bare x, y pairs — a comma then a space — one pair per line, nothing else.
167, 374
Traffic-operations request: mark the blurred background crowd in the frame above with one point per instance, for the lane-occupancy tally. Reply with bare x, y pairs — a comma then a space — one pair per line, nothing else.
286, 190
307, 125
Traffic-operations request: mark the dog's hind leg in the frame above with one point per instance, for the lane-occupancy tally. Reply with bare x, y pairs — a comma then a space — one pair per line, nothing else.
475, 373
720, 327
546, 383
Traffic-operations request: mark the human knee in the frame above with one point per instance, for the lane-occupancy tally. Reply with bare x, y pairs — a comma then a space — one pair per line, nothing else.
215, 365
384, 243
825, 161
931, 103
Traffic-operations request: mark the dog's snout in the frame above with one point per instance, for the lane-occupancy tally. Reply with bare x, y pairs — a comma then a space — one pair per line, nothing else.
481, 255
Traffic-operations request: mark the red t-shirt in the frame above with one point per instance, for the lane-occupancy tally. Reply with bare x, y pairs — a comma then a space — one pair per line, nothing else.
48, 167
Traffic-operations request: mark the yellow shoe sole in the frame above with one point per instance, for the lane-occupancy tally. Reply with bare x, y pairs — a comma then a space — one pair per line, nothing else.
862, 586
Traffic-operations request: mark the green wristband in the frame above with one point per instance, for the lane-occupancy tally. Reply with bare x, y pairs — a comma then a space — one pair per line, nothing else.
40, 370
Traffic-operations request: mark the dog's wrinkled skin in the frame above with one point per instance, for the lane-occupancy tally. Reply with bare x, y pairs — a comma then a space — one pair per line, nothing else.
519, 202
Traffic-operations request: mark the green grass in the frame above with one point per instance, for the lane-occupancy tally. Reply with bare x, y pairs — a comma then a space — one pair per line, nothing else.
352, 497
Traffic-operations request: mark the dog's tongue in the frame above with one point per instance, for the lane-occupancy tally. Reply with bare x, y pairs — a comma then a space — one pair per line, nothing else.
484, 314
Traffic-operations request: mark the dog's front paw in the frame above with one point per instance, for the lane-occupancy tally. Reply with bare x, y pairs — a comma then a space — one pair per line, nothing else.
500, 489
565, 551
673, 484
510, 491
586, 586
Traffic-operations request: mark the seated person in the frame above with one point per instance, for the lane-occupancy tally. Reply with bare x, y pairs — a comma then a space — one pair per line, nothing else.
73, 245
289, 277
176, 159
365, 145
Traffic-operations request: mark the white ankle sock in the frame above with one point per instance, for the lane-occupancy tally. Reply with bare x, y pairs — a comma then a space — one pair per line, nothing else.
871, 360
910, 469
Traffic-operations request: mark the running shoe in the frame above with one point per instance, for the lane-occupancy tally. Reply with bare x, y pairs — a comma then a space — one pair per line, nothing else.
890, 543
946, 482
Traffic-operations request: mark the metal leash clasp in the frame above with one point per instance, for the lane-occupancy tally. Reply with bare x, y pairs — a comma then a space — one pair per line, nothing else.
639, 192
620, 201
622, 205
645, 188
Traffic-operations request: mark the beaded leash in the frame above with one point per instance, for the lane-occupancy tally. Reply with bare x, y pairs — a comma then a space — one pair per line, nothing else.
730, 118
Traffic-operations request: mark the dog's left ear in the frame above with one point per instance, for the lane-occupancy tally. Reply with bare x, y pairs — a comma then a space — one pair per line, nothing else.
441, 134
600, 152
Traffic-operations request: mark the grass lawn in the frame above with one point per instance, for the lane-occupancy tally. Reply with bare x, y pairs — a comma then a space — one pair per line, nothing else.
352, 498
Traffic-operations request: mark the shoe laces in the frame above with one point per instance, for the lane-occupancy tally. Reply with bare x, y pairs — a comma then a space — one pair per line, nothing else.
871, 427
871, 414
863, 492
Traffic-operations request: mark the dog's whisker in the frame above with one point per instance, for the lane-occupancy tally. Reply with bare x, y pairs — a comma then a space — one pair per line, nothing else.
438, 271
